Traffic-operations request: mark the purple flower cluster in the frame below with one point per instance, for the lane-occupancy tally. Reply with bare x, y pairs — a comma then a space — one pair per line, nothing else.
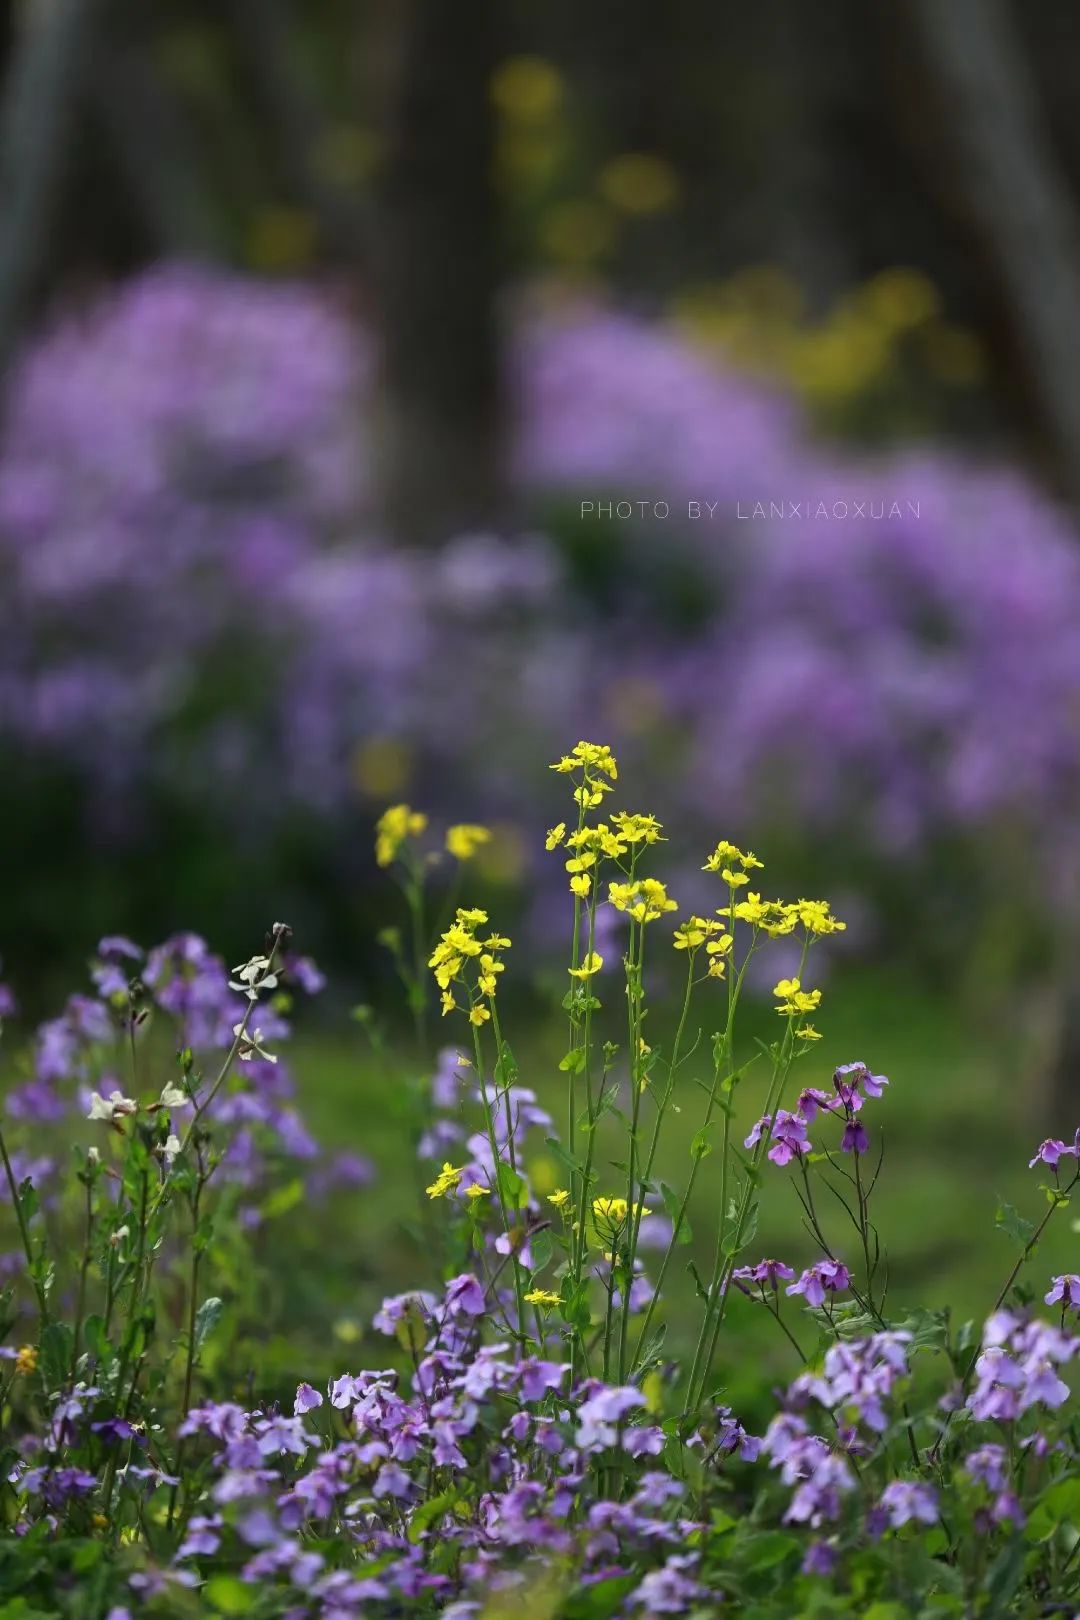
787, 1132
480, 1422
1018, 1368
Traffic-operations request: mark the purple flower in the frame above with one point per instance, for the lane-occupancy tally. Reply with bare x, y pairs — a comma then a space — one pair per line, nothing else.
1065, 1290
855, 1138
1051, 1152
465, 1296
307, 1399
820, 1558
600, 1415
907, 1500
789, 1138
767, 1272
827, 1276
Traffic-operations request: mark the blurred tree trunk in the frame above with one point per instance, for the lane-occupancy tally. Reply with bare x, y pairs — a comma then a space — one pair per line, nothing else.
48, 53
1008, 181
437, 271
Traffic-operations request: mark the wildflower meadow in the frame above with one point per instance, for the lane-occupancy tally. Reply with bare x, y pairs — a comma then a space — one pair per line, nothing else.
561, 1409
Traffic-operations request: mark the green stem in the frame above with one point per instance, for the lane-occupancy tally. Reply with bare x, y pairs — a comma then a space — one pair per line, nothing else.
24, 1232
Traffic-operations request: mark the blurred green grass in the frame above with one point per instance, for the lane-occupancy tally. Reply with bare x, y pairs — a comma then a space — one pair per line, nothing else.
958, 1129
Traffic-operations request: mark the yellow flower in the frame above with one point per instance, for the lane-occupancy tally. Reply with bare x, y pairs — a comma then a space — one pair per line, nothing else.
465, 839
638, 829
581, 886
393, 827
445, 1181
694, 932
478, 1014
560, 1198
722, 855
807, 1033
541, 1296
793, 999
474, 1190
816, 917
734, 880
591, 756
614, 1212
592, 964
644, 900
448, 1002
555, 836
460, 945
26, 1361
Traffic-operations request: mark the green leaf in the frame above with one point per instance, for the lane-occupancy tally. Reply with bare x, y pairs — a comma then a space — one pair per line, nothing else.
55, 1360
929, 1329
207, 1318
284, 1200
672, 1203
229, 1594
700, 1145
1014, 1225
1059, 1504
566, 1159
513, 1188
430, 1512
506, 1069
600, 1600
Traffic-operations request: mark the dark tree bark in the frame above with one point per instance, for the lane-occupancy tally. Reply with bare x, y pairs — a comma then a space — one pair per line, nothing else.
38, 109
1008, 180
437, 272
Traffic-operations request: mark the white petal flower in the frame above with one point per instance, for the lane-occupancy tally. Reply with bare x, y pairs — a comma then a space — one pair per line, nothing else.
251, 1045
112, 1107
173, 1097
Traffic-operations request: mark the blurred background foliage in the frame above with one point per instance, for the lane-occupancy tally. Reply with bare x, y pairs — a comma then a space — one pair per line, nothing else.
319, 324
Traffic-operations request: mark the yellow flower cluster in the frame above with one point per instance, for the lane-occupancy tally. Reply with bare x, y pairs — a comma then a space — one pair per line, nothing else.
599, 771
779, 917
541, 1296
459, 945
397, 824
560, 1198
463, 840
794, 1000
614, 1212
725, 854
446, 1180
698, 931
26, 1361
644, 900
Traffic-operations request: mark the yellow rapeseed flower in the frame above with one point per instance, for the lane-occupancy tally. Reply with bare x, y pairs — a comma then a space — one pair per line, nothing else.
446, 1180
560, 1198
541, 1296
396, 824
592, 964
26, 1361
464, 839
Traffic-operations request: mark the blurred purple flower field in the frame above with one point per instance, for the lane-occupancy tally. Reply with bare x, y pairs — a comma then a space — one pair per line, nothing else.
193, 591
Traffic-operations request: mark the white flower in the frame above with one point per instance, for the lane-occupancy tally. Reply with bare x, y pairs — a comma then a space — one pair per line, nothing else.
253, 976
169, 1149
173, 1097
93, 1156
117, 1237
112, 1107
251, 1045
